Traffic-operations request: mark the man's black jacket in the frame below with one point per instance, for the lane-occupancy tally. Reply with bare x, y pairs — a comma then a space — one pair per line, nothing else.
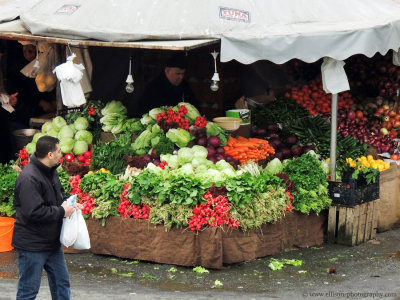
38, 197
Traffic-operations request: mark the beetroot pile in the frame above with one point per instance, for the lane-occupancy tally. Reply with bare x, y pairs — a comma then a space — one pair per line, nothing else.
365, 131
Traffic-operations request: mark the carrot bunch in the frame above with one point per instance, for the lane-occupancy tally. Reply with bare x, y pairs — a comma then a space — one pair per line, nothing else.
248, 149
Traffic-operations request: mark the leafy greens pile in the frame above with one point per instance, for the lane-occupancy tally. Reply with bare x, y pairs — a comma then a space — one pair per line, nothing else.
311, 190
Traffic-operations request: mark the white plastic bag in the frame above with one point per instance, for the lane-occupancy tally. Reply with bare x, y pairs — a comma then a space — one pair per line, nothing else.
70, 75
82, 240
69, 230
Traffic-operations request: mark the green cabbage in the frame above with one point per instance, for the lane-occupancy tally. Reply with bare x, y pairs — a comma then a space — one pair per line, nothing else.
185, 155
65, 133
80, 147
53, 133
67, 145
111, 121
172, 160
114, 107
81, 123
199, 151
273, 167
179, 136
192, 112
147, 120
84, 135
30, 148
198, 161
46, 127
37, 136
133, 126
72, 127
58, 123
222, 164
142, 141
155, 111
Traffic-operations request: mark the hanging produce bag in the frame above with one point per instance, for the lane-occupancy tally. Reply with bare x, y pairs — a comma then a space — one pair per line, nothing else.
41, 67
46, 79
70, 75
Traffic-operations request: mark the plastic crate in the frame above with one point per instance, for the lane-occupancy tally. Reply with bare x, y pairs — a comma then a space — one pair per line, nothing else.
351, 192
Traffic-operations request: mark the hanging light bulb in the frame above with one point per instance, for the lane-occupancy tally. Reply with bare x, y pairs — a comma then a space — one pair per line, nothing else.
129, 80
215, 79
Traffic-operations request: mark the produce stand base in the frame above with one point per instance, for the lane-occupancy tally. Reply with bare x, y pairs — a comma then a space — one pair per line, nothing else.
353, 225
210, 248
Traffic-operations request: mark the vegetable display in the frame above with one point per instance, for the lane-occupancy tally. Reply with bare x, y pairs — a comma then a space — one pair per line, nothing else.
174, 167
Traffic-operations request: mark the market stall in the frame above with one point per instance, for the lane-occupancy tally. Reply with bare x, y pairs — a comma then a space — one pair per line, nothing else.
168, 182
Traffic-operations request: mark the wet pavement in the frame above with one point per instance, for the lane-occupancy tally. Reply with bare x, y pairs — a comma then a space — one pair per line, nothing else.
328, 271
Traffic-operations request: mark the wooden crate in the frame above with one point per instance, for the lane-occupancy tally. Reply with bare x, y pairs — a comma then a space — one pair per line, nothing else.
352, 225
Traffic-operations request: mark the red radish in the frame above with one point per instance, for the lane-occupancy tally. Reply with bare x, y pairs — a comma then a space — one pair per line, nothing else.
81, 158
87, 154
69, 157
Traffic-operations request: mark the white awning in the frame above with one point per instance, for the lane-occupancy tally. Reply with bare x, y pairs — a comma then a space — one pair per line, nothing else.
250, 30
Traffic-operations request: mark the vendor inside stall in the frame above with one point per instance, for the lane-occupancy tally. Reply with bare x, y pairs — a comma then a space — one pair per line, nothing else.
261, 82
169, 88
31, 102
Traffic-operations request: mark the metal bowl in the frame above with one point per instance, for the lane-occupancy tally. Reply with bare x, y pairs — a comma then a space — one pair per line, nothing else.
24, 136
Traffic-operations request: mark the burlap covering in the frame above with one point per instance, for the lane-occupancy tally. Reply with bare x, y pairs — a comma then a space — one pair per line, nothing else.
389, 195
294, 230
210, 248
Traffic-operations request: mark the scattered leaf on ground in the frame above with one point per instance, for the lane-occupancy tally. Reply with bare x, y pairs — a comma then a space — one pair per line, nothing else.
333, 259
173, 269
130, 274
200, 269
275, 265
278, 264
217, 283
148, 276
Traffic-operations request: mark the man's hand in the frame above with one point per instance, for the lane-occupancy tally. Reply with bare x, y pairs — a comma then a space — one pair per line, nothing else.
78, 206
69, 210
13, 99
241, 103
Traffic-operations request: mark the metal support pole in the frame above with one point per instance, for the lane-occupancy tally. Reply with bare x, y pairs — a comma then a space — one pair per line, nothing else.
332, 163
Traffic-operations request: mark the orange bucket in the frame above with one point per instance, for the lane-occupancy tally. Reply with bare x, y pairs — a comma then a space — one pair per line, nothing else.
6, 232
